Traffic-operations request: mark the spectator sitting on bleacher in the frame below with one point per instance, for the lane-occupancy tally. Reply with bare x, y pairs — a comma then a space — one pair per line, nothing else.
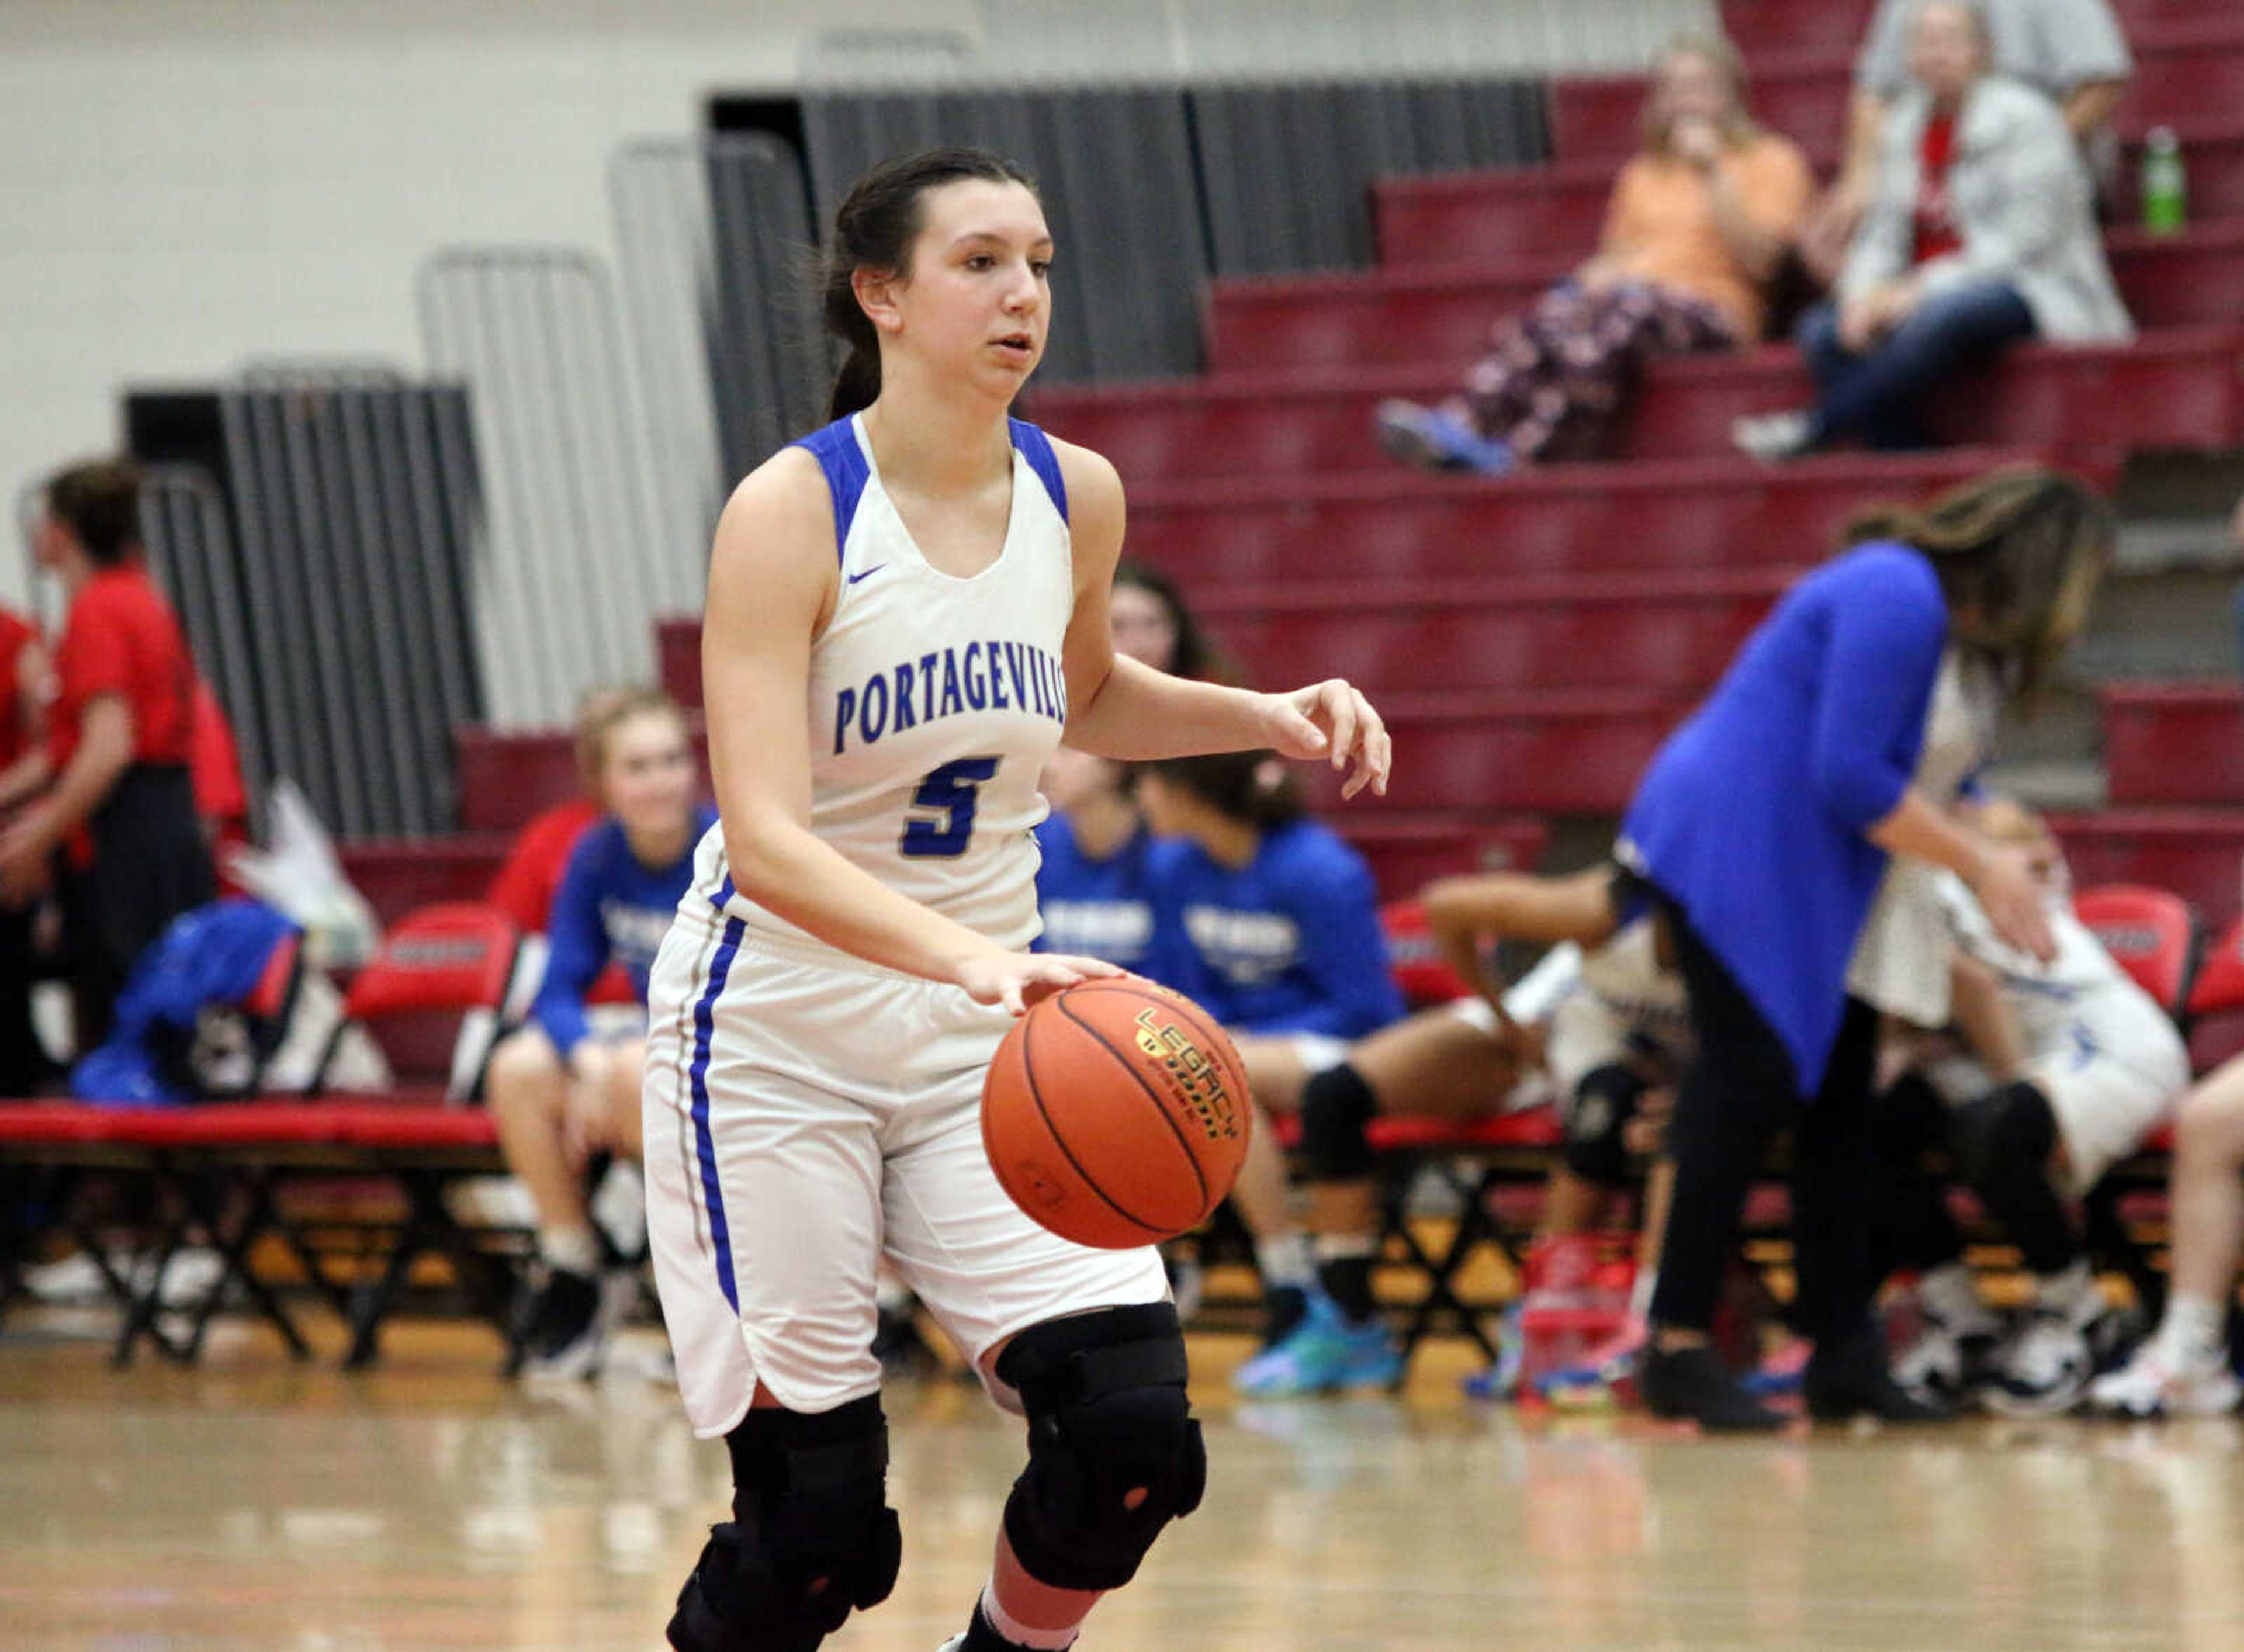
23, 1065
1271, 923
559, 1089
2071, 1065
2073, 51
1596, 1026
118, 813
1699, 227
1979, 233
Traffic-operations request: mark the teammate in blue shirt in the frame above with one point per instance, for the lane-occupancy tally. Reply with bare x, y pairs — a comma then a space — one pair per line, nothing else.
1093, 882
1272, 923
567, 1084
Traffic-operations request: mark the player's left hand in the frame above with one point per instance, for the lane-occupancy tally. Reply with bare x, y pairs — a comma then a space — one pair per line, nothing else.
1332, 720
24, 862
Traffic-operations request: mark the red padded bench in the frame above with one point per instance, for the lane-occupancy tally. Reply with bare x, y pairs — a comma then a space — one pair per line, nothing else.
217, 1169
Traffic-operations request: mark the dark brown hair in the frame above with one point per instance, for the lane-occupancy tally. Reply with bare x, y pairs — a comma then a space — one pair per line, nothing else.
1256, 788
98, 501
1196, 656
874, 228
2024, 548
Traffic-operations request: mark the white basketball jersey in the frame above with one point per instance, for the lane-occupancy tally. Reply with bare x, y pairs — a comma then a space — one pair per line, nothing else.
934, 700
1623, 975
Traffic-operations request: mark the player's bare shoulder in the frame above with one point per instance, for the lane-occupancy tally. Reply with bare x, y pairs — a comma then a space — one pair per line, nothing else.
1095, 509
777, 531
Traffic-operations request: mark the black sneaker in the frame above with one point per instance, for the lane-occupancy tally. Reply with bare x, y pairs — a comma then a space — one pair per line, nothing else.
1694, 1382
561, 1332
1851, 1380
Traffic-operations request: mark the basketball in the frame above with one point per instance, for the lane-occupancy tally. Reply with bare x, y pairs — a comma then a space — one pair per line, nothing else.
1116, 1114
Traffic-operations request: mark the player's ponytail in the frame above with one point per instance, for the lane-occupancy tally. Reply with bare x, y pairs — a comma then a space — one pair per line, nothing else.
874, 228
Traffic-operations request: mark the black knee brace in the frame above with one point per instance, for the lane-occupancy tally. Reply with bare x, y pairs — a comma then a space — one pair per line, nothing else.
1336, 1105
811, 1538
2001, 1145
1114, 1452
1605, 1102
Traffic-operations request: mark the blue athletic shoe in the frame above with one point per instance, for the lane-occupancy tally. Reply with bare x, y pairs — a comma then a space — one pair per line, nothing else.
1321, 1355
1433, 441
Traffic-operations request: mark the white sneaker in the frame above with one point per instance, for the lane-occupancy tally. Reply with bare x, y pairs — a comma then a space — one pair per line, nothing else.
1948, 1358
2040, 1369
1771, 436
2155, 1383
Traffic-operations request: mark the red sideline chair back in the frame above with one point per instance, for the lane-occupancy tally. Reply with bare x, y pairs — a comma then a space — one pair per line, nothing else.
455, 958
2219, 988
1420, 969
2150, 933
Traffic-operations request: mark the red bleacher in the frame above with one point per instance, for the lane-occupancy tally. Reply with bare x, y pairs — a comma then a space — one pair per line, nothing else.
1441, 315
2183, 66
1453, 218
2174, 742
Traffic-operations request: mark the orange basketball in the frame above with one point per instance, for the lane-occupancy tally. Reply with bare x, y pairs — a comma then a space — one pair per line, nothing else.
1116, 1114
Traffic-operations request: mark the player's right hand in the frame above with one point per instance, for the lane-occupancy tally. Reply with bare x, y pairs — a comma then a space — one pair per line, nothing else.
2012, 896
1020, 980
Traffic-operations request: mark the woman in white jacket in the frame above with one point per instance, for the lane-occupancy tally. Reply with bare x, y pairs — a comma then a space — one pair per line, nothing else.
1982, 232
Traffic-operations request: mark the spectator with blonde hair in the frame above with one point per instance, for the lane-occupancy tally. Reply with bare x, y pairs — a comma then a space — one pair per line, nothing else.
1700, 225
560, 1089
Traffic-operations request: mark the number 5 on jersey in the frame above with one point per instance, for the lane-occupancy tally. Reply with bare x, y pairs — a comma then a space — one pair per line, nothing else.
950, 795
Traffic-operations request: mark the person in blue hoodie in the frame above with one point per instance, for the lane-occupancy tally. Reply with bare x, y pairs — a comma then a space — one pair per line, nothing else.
1765, 827
1094, 889
567, 1084
1271, 922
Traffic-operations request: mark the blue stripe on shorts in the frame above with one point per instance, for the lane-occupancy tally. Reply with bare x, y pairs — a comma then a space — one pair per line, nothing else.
705, 1018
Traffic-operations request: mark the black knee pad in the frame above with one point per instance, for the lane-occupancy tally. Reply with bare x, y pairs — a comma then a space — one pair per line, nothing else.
1605, 1102
2008, 1132
812, 1537
1114, 1452
1336, 1106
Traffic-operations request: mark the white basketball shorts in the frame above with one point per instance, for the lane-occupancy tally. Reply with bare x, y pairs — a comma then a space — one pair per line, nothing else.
808, 1114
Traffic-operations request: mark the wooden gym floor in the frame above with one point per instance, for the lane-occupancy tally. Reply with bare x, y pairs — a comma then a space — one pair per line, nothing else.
251, 1505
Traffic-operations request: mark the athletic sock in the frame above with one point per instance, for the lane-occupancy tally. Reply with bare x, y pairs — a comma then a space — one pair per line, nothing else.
2195, 1329
571, 1249
2072, 1292
1951, 1295
992, 1630
1288, 1270
1344, 1263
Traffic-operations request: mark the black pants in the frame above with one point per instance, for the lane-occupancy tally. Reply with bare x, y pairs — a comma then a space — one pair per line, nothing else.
1738, 1094
150, 864
21, 1064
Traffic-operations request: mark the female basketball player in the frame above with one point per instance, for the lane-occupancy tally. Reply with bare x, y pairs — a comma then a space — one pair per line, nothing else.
904, 610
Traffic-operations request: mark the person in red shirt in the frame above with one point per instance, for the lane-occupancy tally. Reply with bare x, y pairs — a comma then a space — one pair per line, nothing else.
22, 771
121, 807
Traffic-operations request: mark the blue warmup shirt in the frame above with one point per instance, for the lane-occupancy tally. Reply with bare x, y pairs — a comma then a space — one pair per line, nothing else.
1751, 818
609, 907
1289, 943
1096, 908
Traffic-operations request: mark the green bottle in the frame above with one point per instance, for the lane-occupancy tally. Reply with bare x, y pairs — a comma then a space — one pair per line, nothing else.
2166, 184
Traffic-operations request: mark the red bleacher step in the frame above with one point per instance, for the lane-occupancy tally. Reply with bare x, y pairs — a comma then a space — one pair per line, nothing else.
2197, 853
1397, 524
1563, 751
1382, 317
398, 875
1451, 218
1661, 630
2182, 387
507, 776
2174, 742
1764, 28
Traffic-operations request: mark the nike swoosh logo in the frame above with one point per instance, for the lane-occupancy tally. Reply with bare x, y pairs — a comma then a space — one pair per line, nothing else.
868, 573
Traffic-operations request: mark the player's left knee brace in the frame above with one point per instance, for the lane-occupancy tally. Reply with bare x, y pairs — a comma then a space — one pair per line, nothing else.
1114, 1452
2008, 1132
1337, 1108
812, 1537
1597, 1124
